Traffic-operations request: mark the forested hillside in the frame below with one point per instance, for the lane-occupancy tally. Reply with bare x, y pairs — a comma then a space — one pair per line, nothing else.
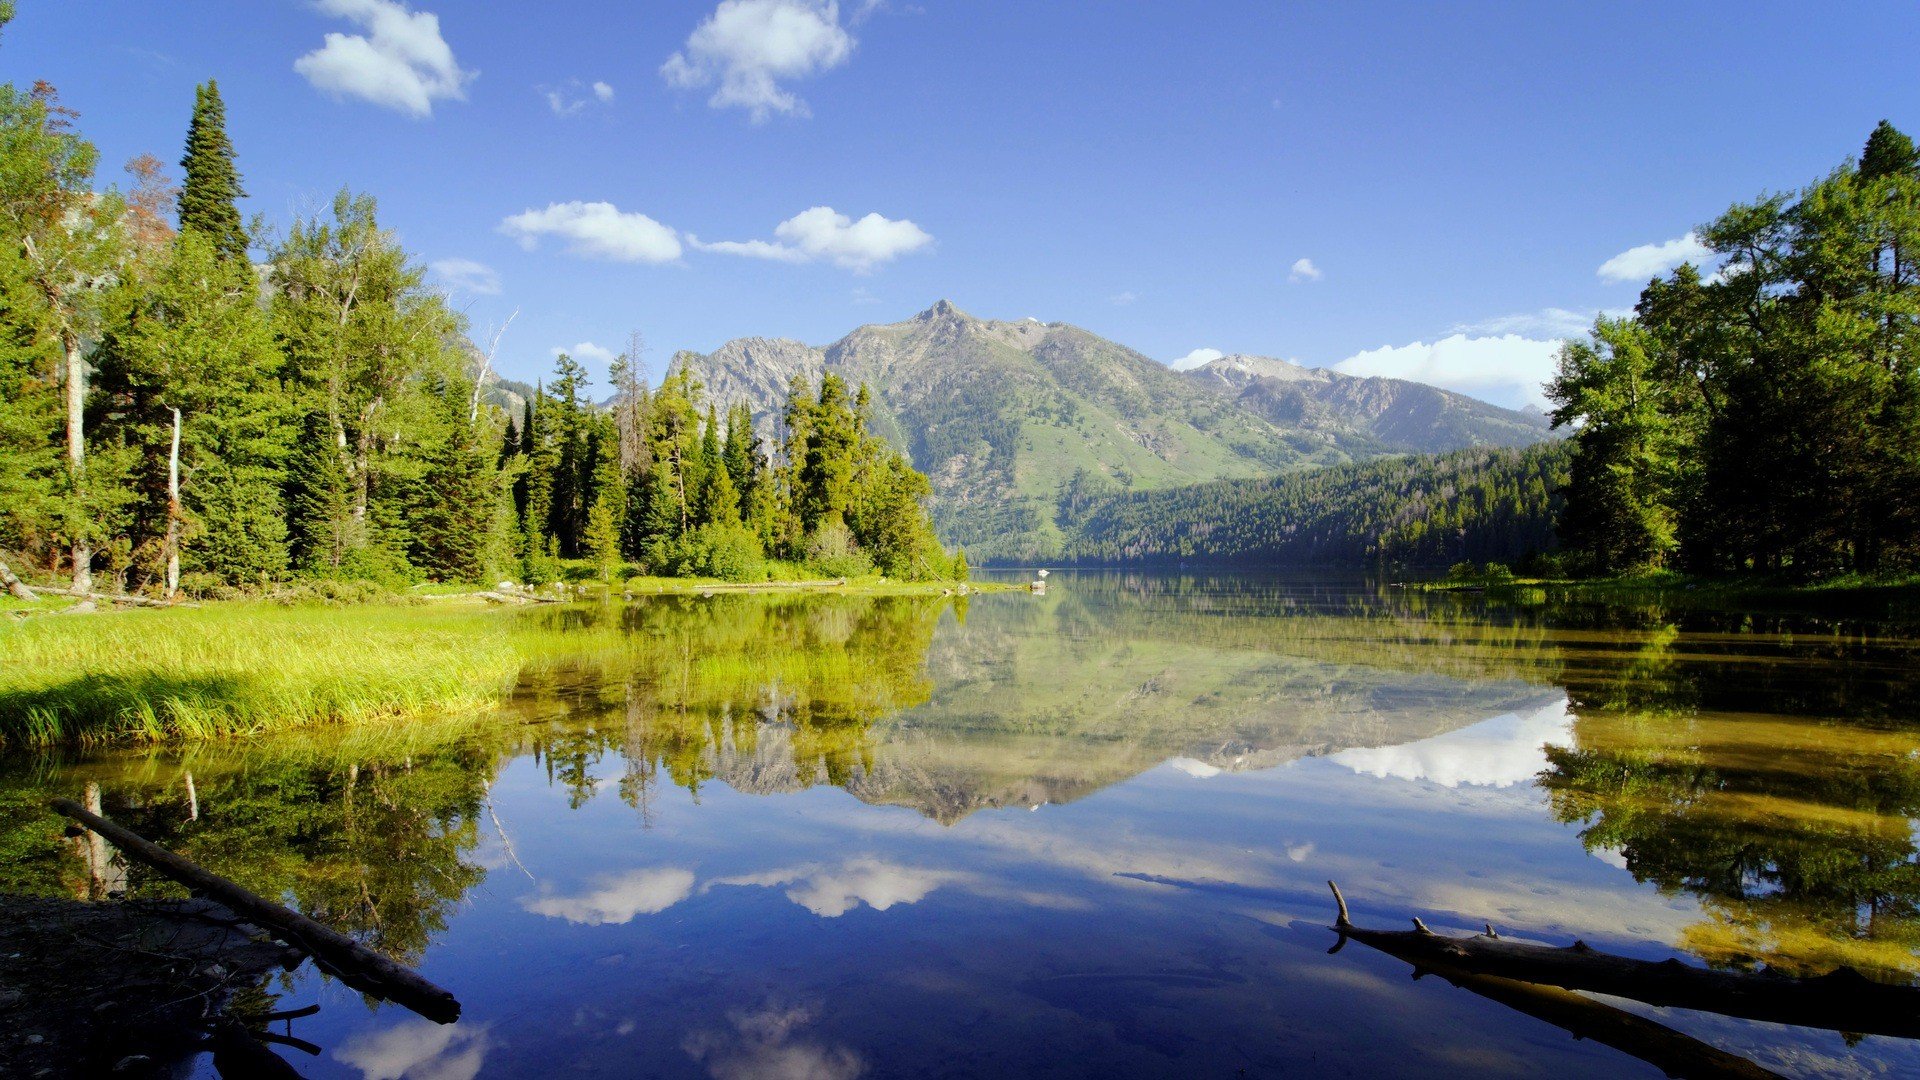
1417, 512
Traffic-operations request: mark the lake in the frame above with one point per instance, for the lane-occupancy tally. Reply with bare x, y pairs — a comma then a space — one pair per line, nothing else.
1080, 834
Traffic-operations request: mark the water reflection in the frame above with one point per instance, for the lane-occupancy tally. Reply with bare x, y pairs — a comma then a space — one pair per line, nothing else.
697, 812
1500, 752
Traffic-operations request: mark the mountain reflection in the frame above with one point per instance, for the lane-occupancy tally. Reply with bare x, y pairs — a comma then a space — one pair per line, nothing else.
1771, 771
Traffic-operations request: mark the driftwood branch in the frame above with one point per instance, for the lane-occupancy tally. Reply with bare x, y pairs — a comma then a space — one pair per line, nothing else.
1843, 1000
354, 964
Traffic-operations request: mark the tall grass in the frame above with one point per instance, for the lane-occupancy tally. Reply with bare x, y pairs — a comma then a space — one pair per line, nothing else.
243, 669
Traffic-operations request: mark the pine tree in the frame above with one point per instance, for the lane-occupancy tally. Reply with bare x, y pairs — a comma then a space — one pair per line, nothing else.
209, 197
321, 526
1889, 152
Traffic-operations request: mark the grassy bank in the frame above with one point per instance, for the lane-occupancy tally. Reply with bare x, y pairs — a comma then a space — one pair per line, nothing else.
240, 668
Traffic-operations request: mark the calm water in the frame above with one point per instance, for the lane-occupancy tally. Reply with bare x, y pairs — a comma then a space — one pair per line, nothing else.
1084, 834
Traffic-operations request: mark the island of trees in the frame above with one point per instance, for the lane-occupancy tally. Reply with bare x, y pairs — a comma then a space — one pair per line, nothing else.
178, 415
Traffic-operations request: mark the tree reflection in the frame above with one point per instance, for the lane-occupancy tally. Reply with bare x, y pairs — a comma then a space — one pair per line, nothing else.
1781, 795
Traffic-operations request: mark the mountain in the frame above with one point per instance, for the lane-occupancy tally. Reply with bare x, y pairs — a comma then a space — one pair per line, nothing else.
1402, 416
1013, 420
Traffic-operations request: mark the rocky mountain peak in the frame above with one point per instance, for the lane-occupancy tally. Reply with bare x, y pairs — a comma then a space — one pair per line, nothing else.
941, 309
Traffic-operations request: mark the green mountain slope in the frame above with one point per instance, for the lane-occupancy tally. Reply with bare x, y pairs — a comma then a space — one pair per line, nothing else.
1014, 420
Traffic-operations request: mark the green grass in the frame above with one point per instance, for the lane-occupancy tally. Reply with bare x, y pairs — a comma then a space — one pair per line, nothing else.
242, 669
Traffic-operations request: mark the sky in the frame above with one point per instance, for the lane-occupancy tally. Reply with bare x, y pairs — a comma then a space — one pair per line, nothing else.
1427, 191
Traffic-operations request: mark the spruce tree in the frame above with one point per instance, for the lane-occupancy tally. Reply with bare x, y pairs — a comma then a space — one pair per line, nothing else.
210, 194
1889, 152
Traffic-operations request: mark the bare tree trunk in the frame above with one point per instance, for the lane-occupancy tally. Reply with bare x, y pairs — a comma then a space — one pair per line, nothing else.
81, 551
15, 586
193, 800
486, 368
173, 511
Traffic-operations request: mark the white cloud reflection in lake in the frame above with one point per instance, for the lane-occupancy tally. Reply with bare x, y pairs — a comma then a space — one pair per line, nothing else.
1500, 752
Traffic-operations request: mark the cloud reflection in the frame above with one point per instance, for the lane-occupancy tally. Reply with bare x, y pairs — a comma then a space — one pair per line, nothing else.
830, 892
417, 1050
619, 898
1500, 752
766, 1045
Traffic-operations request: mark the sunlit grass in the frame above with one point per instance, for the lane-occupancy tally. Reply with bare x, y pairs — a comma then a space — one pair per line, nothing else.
242, 669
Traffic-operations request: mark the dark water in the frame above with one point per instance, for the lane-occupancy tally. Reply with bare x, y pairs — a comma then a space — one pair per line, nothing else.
1084, 834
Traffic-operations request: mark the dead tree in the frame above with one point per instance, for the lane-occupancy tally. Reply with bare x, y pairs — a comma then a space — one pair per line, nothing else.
353, 963
1843, 1000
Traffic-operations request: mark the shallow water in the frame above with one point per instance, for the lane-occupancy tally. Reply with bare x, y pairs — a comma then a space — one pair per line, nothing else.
1079, 834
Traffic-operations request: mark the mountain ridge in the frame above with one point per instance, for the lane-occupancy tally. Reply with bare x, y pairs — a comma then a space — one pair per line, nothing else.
1012, 419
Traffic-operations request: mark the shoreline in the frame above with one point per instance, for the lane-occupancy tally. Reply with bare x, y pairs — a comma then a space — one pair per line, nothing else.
1894, 595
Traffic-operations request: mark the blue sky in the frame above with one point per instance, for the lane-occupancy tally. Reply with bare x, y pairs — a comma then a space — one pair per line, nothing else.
1454, 176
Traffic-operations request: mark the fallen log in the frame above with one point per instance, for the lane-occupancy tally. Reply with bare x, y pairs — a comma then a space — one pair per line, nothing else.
15, 586
1672, 1052
1843, 1000
112, 598
353, 963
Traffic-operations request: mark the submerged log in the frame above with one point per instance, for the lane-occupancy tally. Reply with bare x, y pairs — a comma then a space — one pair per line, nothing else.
353, 963
1672, 1052
1843, 1000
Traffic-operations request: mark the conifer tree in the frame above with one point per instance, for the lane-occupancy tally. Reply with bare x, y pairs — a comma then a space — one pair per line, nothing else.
1889, 152
210, 194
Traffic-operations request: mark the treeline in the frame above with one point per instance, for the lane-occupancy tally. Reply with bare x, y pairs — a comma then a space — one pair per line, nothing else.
1483, 505
1764, 417
654, 479
177, 415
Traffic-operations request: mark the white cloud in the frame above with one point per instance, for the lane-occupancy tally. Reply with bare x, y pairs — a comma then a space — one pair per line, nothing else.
619, 898
586, 350
597, 230
1196, 358
1123, 299
1508, 370
401, 63
1304, 270
1550, 322
417, 1050
822, 233
1647, 261
747, 47
1500, 752
466, 275
573, 96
